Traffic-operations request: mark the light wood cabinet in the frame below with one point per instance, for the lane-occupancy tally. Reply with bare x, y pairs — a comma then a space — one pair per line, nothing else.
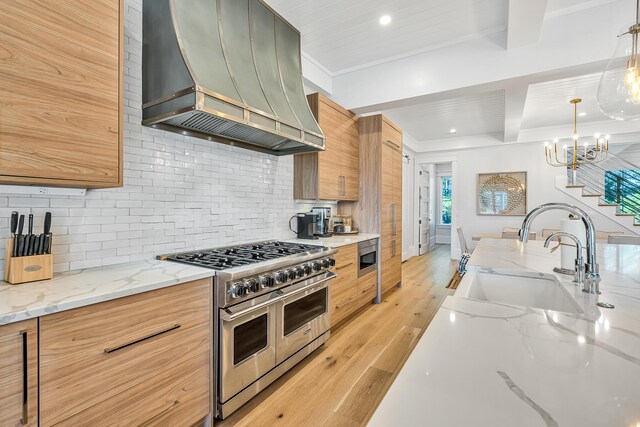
333, 174
139, 360
344, 288
61, 91
367, 288
19, 374
379, 209
350, 293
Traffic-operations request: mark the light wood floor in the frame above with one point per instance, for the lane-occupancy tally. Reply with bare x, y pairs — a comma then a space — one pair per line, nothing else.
342, 383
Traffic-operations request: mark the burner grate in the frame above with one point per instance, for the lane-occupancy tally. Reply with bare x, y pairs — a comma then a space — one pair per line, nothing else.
237, 256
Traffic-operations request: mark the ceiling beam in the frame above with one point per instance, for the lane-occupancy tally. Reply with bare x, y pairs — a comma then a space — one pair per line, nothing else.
315, 76
567, 41
524, 24
514, 100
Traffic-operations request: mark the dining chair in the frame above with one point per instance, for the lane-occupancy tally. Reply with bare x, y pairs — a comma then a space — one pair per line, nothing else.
463, 242
624, 240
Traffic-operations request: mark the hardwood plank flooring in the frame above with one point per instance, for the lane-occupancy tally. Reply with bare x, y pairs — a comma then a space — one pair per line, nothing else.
342, 383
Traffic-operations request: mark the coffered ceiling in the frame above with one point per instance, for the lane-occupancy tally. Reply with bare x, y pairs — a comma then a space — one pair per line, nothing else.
468, 115
498, 71
547, 103
343, 34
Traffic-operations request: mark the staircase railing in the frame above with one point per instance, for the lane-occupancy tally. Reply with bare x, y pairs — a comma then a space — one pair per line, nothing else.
616, 180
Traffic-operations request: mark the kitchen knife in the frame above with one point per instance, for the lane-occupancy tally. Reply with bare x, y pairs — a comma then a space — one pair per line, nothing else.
29, 243
14, 227
47, 233
40, 244
20, 236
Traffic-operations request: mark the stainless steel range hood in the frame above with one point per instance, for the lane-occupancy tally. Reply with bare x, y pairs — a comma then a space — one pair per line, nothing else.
228, 71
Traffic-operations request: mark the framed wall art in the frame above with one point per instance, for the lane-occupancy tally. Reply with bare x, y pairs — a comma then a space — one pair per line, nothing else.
502, 193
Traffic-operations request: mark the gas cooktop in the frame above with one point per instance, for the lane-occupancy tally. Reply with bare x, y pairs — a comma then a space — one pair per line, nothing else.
238, 256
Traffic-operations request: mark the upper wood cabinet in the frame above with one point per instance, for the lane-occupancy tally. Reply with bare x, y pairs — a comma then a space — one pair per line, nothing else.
19, 374
61, 93
333, 174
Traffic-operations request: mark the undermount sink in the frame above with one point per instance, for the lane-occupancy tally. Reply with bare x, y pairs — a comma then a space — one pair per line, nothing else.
529, 290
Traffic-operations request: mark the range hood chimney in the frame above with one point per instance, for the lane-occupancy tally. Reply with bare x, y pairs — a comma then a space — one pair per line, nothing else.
227, 71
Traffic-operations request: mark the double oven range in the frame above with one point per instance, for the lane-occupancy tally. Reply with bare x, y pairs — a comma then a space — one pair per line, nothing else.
271, 311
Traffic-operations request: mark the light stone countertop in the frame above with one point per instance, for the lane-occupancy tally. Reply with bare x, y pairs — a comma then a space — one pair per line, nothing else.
336, 241
90, 286
482, 363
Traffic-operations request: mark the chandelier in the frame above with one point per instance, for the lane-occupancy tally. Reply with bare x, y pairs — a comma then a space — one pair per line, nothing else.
574, 157
619, 89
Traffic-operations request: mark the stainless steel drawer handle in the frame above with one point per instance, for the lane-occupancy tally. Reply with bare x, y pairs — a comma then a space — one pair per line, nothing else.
160, 414
120, 347
344, 266
25, 379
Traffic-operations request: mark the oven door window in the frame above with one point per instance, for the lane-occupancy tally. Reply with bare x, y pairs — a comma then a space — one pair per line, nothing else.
250, 338
367, 260
302, 311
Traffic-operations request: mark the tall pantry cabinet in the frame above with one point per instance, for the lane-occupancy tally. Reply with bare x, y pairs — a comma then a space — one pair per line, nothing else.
379, 209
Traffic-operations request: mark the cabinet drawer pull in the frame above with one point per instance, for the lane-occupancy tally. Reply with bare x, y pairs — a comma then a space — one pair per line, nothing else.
393, 143
25, 379
153, 419
120, 347
344, 266
343, 303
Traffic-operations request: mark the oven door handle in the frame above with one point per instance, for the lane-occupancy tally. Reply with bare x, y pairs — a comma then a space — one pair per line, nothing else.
229, 315
330, 275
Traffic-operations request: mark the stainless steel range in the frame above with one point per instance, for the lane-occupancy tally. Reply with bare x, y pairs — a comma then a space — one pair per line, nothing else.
272, 305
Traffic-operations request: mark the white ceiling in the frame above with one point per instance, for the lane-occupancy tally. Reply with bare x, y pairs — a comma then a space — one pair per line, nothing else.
342, 35
469, 115
548, 104
361, 63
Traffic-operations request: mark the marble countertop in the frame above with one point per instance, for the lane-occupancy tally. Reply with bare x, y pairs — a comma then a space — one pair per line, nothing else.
493, 364
90, 286
336, 241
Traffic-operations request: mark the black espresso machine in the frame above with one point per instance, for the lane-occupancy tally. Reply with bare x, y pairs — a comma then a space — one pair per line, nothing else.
307, 227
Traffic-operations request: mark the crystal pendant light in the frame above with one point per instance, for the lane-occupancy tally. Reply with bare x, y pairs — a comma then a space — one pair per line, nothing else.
619, 90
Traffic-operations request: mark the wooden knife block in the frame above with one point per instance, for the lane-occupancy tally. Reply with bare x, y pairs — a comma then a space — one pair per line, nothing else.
25, 269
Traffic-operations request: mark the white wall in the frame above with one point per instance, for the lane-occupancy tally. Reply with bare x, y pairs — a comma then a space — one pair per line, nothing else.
409, 203
467, 164
180, 193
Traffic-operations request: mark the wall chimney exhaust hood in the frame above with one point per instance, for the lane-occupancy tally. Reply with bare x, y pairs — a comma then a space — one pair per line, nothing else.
227, 71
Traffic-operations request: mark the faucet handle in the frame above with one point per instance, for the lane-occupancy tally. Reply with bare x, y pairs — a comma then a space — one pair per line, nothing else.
591, 283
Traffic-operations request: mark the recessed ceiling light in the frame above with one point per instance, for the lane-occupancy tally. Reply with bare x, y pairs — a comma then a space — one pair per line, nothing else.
385, 20
452, 131
582, 114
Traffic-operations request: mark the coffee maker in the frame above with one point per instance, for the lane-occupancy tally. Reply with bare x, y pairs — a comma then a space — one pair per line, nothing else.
307, 225
323, 227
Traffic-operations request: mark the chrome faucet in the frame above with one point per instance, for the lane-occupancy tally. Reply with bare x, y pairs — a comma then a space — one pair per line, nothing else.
591, 282
579, 264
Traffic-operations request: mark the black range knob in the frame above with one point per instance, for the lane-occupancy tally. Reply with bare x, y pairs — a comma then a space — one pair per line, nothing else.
266, 281
332, 262
306, 268
299, 271
326, 263
316, 266
291, 274
281, 277
252, 285
238, 290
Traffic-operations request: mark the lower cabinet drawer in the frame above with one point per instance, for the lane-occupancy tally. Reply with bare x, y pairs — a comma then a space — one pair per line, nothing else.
343, 308
367, 288
100, 356
176, 397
